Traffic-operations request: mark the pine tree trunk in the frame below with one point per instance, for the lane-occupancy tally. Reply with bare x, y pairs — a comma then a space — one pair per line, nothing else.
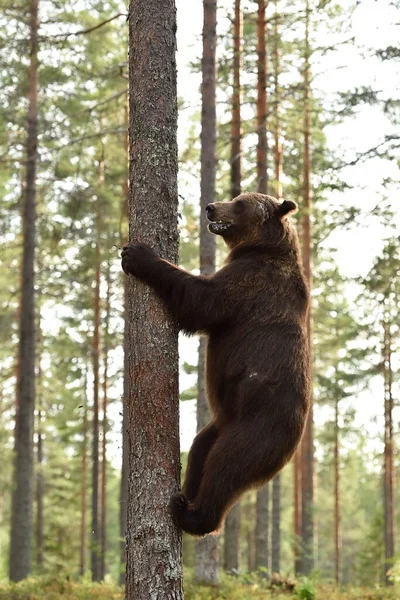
125, 448
278, 154
276, 525
39, 483
96, 541
388, 449
338, 533
22, 498
82, 561
232, 521
307, 450
154, 560
236, 125
207, 548
297, 494
262, 109
262, 529
103, 498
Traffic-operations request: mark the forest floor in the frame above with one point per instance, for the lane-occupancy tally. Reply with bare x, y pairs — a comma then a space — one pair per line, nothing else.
231, 588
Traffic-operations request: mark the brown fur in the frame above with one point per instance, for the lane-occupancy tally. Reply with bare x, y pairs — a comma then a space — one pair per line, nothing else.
254, 313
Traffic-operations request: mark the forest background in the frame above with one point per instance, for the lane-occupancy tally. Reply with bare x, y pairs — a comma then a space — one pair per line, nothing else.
350, 51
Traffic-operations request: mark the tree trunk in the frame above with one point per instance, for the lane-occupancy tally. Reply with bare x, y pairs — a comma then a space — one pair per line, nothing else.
262, 529
278, 154
82, 561
307, 451
297, 509
338, 533
262, 110
125, 447
22, 498
154, 560
39, 476
103, 499
232, 521
388, 451
96, 542
236, 125
207, 548
262, 511
276, 525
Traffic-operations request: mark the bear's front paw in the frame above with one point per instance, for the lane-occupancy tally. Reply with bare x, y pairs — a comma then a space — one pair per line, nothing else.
135, 258
178, 505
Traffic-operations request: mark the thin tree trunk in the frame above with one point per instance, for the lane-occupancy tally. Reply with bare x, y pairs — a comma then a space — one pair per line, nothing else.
103, 499
276, 482
154, 557
262, 509
276, 525
338, 533
22, 498
125, 447
307, 451
207, 548
232, 521
39, 474
236, 125
297, 509
82, 561
262, 529
278, 154
262, 108
96, 541
388, 451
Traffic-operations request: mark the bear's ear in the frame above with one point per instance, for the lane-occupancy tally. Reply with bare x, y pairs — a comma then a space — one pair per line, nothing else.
287, 208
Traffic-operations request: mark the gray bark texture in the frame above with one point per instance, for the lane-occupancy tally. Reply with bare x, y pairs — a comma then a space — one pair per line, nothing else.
22, 499
231, 540
125, 445
276, 525
154, 558
262, 528
207, 548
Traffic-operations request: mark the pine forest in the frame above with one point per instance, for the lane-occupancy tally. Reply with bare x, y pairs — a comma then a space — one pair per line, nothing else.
125, 123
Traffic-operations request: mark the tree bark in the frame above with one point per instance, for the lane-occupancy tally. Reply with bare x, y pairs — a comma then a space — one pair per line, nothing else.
262, 108
39, 474
103, 499
125, 446
22, 498
236, 125
388, 448
262, 528
278, 154
96, 541
276, 525
82, 561
154, 561
232, 540
207, 548
307, 450
297, 509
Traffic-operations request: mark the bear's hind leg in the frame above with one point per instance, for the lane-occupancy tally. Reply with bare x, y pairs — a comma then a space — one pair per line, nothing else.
233, 465
202, 444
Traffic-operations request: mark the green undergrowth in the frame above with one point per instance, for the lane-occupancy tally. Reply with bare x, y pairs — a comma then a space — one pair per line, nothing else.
243, 587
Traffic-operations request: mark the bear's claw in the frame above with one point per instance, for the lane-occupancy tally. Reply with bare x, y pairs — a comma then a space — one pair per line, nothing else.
178, 504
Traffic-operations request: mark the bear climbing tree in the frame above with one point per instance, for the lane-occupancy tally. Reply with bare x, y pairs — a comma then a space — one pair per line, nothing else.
254, 313
154, 568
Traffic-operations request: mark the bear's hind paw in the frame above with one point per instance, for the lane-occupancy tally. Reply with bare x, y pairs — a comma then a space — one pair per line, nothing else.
178, 505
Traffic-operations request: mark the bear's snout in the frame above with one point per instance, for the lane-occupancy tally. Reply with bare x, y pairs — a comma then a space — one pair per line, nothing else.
210, 209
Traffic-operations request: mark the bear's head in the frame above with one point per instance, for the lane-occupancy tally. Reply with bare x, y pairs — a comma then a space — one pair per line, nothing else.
251, 219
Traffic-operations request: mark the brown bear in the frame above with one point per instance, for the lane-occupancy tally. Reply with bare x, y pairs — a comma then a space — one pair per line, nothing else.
254, 313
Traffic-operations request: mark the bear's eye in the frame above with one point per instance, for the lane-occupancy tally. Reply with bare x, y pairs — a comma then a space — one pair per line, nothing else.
240, 204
